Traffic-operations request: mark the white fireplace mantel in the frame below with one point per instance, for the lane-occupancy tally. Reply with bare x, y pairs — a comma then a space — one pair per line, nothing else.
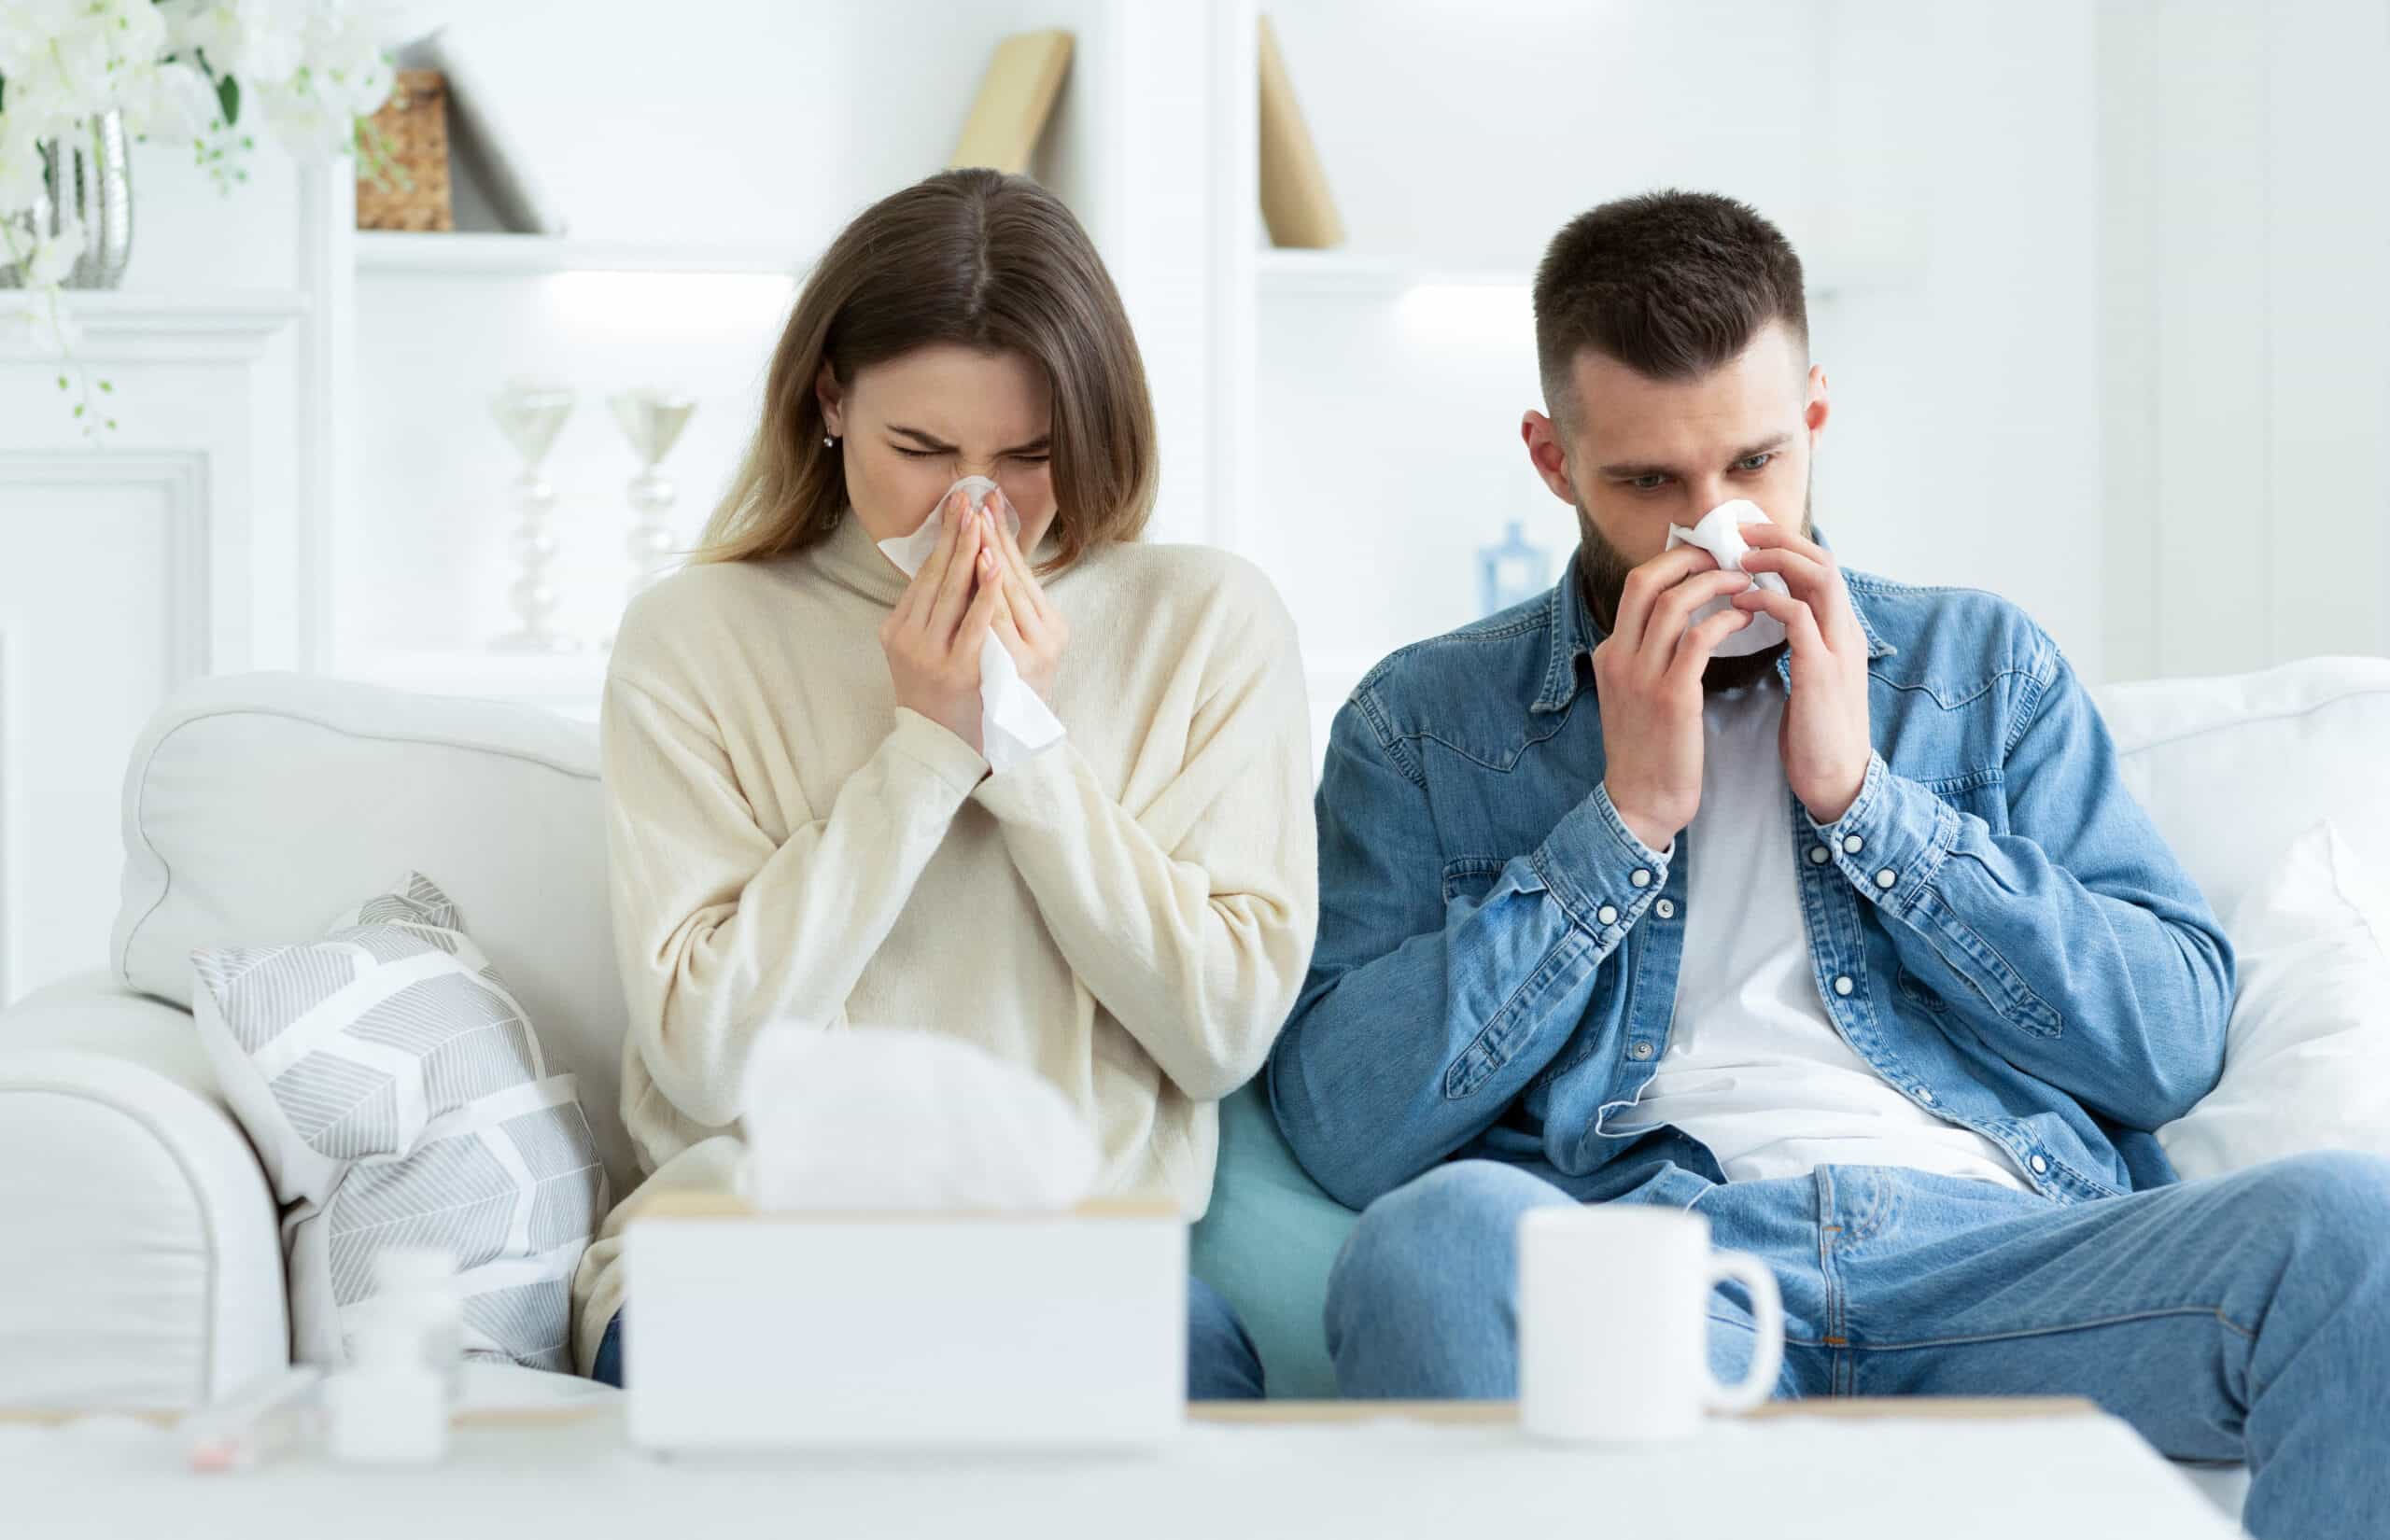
130, 562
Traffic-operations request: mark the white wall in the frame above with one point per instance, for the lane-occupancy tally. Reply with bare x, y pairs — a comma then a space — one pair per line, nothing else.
1933, 162
2246, 324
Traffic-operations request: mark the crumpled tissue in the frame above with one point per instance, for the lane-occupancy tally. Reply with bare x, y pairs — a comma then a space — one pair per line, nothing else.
1720, 533
895, 1119
1014, 723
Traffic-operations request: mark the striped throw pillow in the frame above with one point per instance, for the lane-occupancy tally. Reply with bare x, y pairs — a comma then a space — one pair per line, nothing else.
397, 1097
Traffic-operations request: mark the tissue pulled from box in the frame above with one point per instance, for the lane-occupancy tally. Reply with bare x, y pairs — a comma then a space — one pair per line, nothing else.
894, 1119
1720, 533
1013, 722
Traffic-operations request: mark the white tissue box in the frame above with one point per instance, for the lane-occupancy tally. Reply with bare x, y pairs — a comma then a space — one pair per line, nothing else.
749, 1331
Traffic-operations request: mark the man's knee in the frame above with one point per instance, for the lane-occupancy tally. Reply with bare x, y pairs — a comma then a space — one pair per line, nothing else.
2332, 1207
1456, 1226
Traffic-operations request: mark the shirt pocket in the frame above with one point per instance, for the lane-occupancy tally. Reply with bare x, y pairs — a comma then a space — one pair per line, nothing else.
1470, 876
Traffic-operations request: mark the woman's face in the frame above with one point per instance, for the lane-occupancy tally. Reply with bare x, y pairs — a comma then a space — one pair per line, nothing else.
910, 428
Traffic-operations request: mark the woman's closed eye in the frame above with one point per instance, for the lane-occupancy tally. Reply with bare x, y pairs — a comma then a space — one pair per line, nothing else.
911, 453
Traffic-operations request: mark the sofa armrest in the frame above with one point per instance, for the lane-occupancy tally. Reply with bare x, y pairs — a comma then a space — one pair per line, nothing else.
145, 1260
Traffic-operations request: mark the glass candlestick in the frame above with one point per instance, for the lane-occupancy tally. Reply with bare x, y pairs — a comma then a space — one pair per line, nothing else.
653, 421
531, 413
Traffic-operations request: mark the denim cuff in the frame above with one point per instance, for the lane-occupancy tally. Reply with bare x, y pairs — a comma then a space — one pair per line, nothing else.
1601, 875
1891, 839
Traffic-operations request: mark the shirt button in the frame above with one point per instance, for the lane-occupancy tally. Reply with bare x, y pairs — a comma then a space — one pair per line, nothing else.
1852, 843
1886, 877
1925, 1095
1607, 915
1642, 877
1641, 1050
2040, 1165
1819, 855
1666, 907
1842, 984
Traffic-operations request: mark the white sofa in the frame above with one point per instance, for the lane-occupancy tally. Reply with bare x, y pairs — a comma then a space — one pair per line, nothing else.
146, 1271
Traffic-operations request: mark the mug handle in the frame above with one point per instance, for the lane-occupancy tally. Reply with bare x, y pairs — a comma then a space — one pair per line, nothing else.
1767, 1323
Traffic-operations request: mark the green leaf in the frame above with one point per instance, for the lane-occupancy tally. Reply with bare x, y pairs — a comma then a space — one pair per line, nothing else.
79, 409
106, 388
62, 382
227, 96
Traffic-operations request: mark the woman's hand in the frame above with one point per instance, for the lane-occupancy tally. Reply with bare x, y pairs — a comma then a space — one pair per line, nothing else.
1026, 621
933, 636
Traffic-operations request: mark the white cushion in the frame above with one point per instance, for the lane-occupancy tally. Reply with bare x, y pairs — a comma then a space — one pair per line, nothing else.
2307, 1065
2233, 769
398, 1098
257, 803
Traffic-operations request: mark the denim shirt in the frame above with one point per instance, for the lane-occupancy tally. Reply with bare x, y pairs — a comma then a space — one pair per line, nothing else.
1994, 925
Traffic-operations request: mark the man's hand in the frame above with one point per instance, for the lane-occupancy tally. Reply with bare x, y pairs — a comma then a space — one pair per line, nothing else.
1824, 740
1648, 675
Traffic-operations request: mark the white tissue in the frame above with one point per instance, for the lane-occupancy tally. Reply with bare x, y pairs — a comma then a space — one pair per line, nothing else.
1013, 722
1720, 533
895, 1119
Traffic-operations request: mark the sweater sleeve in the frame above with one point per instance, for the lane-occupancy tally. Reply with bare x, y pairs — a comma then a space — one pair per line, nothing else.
719, 927
1186, 906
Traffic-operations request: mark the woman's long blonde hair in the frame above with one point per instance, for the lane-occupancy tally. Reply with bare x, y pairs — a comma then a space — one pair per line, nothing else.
974, 258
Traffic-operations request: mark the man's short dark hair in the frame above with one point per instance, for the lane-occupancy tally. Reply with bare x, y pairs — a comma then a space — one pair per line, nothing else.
1670, 283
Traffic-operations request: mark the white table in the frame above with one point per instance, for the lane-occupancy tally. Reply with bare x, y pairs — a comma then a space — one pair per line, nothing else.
1840, 1471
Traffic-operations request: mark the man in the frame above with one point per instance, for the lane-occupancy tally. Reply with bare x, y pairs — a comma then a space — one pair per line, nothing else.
1858, 943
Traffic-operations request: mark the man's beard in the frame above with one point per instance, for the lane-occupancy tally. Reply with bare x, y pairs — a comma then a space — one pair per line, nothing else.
1603, 569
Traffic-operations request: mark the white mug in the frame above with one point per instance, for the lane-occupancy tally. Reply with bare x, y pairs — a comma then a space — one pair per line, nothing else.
1614, 1323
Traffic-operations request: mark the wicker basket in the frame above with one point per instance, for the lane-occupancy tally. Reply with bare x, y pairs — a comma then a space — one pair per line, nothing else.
414, 125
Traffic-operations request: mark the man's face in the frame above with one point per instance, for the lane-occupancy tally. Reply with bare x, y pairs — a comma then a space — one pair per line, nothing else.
1638, 455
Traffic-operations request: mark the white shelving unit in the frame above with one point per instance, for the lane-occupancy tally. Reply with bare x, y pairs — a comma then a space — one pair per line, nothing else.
469, 255
1346, 419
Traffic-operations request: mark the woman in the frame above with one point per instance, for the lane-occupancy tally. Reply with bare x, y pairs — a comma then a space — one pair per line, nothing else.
801, 821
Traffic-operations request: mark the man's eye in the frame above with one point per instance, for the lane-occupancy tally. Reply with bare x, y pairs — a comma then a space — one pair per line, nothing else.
1647, 483
1754, 462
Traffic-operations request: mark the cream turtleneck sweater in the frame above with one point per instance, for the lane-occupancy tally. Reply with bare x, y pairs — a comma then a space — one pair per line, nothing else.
1129, 913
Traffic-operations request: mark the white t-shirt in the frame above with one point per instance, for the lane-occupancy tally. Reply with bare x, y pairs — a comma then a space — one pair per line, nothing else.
1754, 1069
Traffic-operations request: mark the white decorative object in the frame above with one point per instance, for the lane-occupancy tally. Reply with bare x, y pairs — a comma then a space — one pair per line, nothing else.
531, 413
653, 421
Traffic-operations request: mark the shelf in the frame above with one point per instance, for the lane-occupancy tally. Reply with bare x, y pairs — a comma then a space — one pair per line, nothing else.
478, 255
120, 324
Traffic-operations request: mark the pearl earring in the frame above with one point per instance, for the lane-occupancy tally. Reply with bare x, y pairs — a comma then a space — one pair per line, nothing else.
829, 442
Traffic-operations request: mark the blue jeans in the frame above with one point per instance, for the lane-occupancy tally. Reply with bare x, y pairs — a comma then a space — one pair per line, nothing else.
1221, 1365
2241, 1319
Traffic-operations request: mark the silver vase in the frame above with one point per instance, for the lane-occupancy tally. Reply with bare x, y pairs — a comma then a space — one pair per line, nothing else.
86, 176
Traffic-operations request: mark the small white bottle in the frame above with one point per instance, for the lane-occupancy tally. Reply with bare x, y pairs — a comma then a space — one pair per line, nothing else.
388, 1408
421, 1283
